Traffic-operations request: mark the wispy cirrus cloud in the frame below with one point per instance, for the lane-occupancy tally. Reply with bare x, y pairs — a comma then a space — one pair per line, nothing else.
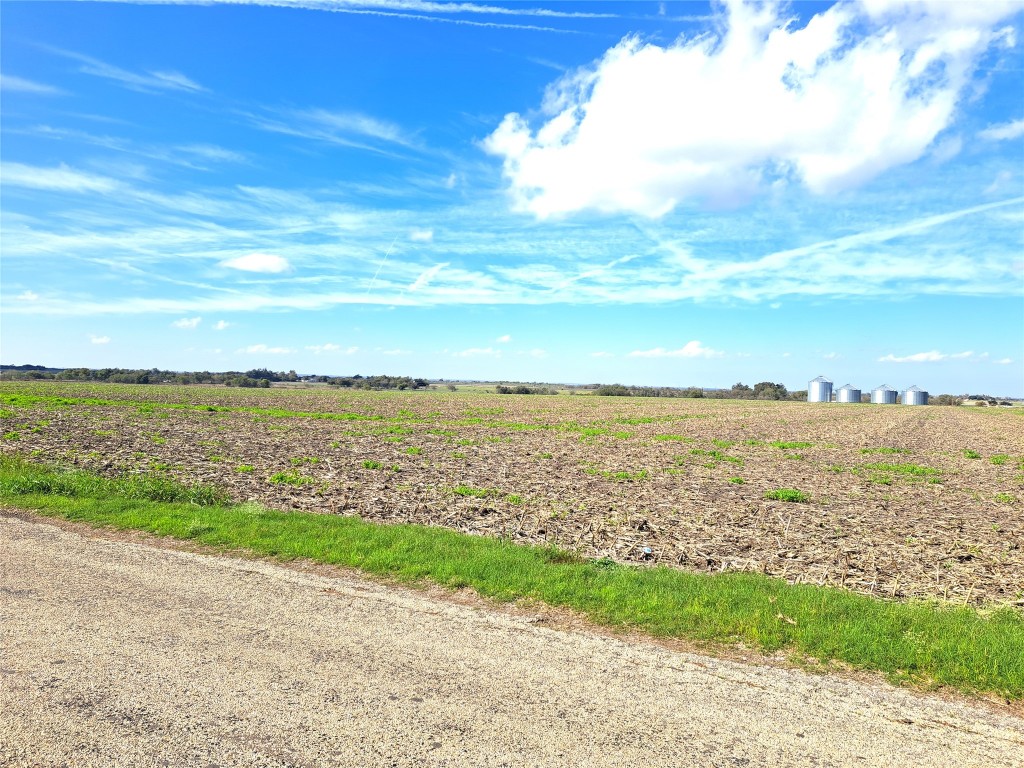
198, 156
16, 84
329, 348
152, 81
1004, 131
458, 13
690, 349
264, 349
267, 263
280, 249
932, 356
60, 179
426, 276
348, 129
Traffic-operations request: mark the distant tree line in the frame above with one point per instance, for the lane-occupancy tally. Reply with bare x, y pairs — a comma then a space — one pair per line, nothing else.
522, 389
375, 382
254, 378
258, 377
765, 390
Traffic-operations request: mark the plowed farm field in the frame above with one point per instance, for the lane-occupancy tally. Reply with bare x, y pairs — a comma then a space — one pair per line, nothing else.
895, 501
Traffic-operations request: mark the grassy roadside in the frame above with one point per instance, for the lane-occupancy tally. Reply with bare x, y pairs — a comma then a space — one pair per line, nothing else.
922, 644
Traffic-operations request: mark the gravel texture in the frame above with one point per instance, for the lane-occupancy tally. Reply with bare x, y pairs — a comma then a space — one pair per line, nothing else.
120, 654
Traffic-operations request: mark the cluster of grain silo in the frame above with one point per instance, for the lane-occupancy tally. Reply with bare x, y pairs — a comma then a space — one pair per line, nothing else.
819, 390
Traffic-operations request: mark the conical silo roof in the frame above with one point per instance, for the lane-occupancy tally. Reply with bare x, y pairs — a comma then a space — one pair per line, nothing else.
884, 388
822, 380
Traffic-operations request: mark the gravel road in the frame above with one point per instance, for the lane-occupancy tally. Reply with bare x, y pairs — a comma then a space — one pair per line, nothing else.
116, 653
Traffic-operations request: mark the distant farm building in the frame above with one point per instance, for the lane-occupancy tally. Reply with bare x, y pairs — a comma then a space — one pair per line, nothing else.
883, 395
915, 396
848, 394
819, 390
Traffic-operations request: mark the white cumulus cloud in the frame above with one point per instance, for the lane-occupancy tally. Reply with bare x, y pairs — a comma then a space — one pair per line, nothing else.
188, 323
221, 325
99, 339
690, 349
422, 235
504, 339
855, 91
258, 262
28, 296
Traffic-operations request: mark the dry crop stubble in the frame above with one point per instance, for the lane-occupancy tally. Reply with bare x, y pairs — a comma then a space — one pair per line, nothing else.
641, 480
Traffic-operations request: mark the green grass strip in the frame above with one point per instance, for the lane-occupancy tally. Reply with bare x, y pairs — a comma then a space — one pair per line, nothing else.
923, 644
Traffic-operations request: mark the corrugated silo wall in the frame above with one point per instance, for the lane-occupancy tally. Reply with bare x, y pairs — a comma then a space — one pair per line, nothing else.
819, 392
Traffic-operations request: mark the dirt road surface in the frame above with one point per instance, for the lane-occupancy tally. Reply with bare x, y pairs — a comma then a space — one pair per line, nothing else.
115, 653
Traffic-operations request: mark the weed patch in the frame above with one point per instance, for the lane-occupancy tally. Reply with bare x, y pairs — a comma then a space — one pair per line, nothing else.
290, 477
788, 494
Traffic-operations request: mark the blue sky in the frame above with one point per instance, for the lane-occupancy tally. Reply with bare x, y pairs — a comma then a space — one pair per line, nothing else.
652, 193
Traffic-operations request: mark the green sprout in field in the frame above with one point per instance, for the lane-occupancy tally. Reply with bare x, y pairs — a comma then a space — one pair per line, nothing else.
788, 494
478, 493
716, 456
677, 438
290, 477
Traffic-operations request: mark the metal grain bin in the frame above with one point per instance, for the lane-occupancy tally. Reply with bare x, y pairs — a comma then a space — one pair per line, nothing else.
884, 395
819, 390
915, 396
848, 394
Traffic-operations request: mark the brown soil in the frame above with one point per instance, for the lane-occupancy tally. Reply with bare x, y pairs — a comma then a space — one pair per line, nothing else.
597, 475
